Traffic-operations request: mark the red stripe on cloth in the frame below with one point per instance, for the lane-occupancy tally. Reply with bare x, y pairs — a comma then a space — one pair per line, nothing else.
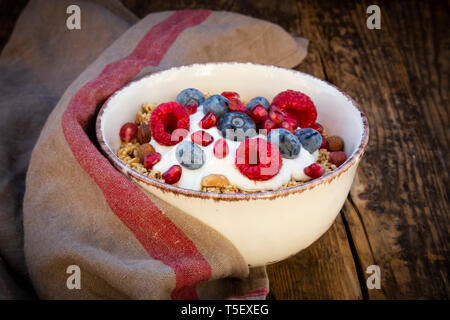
260, 292
157, 233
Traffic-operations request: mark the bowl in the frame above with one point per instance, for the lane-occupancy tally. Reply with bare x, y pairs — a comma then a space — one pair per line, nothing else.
265, 227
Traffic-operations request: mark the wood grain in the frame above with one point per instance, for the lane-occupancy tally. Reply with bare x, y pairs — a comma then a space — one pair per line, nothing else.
325, 270
396, 215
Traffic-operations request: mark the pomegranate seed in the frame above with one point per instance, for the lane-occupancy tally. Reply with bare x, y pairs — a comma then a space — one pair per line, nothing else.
191, 108
286, 125
314, 170
221, 149
337, 157
151, 159
128, 131
293, 122
235, 105
202, 138
230, 95
172, 175
324, 144
268, 125
318, 127
276, 116
258, 113
208, 121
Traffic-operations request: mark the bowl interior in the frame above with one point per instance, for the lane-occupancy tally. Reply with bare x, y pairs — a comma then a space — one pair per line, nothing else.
336, 111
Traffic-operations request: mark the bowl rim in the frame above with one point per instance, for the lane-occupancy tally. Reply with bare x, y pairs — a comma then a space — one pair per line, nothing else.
271, 194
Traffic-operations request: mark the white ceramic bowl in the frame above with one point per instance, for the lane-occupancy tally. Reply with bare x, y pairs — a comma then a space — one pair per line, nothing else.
268, 226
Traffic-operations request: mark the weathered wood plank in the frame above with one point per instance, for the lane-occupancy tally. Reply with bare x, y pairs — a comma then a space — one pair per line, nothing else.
399, 213
325, 270
422, 36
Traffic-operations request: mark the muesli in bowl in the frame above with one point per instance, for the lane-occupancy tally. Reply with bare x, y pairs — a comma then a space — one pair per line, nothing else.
267, 214
217, 143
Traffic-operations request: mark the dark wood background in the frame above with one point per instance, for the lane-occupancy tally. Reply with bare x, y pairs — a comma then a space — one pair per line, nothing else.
397, 214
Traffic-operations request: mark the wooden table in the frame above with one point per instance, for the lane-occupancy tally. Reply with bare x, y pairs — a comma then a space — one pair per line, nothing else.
397, 214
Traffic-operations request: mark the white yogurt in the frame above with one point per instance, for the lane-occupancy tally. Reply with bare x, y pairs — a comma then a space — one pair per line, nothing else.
191, 179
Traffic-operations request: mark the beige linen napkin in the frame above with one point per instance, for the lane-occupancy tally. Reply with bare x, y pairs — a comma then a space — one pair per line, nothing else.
78, 210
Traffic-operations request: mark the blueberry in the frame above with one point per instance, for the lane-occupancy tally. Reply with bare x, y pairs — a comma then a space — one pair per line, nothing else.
286, 142
190, 96
258, 100
216, 104
310, 139
236, 126
190, 155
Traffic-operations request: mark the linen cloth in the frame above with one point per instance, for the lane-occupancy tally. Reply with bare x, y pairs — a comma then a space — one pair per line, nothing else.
77, 209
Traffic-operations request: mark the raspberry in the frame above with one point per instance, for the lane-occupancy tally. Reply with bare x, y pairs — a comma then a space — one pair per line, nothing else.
258, 159
220, 149
258, 113
208, 121
235, 105
151, 159
297, 105
202, 138
230, 94
172, 175
128, 131
314, 170
167, 118
191, 108
337, 157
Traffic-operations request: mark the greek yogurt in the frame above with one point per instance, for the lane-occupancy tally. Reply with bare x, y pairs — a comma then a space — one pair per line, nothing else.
191, 179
